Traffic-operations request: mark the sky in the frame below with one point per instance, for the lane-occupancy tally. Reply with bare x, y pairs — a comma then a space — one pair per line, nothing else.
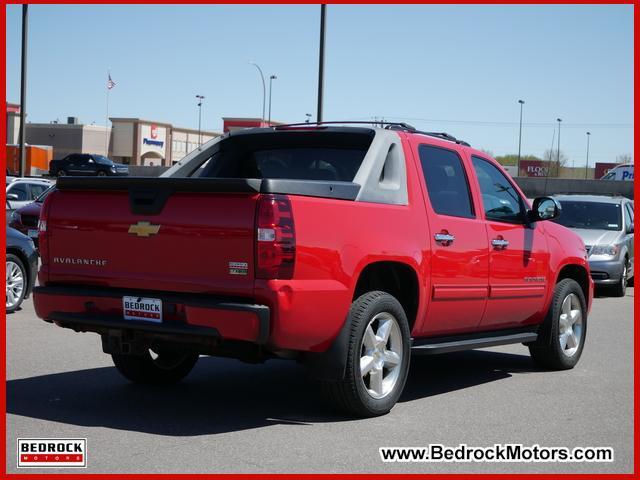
454, 68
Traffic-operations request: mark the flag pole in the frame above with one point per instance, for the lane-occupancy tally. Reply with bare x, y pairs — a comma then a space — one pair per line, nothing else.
106, 121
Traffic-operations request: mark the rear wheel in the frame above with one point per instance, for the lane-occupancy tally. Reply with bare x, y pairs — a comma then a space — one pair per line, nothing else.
62, 173
164, 367
563, 334
378, 356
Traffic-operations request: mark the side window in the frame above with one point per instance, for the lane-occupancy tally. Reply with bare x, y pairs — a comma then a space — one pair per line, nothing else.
446, 182
20, 190
500, 200
36, 190
628, 217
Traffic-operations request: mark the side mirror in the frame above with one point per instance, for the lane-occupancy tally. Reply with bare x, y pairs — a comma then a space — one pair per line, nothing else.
630, 228
12, 196
544, 208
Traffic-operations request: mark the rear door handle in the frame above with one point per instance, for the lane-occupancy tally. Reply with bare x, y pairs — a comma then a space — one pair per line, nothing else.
500, 243
444, 239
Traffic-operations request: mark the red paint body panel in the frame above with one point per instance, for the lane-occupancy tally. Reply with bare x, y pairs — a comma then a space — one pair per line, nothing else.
464, 287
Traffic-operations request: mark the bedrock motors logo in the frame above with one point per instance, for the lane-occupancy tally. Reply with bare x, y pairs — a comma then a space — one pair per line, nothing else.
52, 452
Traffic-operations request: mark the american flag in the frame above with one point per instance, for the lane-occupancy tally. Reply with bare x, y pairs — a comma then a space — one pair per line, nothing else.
110, 83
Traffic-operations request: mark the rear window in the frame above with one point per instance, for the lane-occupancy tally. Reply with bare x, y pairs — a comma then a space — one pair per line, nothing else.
328, 156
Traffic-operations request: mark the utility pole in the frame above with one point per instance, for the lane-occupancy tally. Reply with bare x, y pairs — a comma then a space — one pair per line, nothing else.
271, 79
323, 15
23, 92
586, 170
200, 99
521, 102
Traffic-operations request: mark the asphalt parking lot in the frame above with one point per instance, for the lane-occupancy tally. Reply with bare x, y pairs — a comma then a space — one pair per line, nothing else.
233, 417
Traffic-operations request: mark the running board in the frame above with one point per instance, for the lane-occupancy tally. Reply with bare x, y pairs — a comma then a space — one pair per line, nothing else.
430, 346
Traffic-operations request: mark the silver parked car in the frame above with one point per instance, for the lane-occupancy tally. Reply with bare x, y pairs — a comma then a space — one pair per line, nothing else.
605, 224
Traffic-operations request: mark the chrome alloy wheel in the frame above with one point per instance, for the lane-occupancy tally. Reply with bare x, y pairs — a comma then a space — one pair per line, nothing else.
381, 355
570, 325
15, 284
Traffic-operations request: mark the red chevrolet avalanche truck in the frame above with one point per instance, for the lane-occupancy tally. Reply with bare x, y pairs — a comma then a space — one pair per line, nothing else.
344, 247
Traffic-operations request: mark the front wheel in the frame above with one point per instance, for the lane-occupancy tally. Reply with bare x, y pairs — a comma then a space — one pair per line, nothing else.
102, 173
379, 349
563, 334
62, 173
620, 288
16, 283
164, 367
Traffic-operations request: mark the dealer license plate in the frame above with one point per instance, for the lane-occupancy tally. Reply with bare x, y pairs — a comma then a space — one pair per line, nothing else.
141, 308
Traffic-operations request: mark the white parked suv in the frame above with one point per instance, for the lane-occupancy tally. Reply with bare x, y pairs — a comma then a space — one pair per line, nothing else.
24, 190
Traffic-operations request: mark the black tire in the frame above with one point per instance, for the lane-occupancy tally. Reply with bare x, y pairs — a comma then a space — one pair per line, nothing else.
548, 351
351, 394
15, 262
102, 173
168, 368
620, 288
61, 173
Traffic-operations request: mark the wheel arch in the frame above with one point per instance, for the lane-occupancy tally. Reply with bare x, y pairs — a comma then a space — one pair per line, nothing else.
579, 274
397, 278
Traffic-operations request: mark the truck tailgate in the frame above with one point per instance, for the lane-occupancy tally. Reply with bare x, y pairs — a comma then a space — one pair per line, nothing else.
195, 241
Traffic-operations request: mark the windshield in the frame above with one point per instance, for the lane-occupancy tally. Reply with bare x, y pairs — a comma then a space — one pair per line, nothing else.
44, 194
590, 215
102, 159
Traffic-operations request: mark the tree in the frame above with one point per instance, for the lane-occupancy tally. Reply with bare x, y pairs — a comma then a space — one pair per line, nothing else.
551, 155
488, 152
512, 158
624, 158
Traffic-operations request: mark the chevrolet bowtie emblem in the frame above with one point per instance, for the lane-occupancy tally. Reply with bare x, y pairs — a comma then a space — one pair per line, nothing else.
144, 229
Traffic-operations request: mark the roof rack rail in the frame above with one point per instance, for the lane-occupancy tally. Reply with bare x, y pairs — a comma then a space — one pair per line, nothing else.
404, 126
400, 126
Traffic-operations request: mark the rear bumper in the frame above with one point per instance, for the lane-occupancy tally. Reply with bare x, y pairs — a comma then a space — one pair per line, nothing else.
100, 309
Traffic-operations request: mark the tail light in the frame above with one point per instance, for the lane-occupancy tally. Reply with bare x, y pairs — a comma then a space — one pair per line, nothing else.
43, 234
275, 238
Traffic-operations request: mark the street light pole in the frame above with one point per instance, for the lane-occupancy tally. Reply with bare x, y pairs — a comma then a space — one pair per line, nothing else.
323, 16
271, 79
559, 122
23, 92
521, 102
200, 99
586, 170
264, 89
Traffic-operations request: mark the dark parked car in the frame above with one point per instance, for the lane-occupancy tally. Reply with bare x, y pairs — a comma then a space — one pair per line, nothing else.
86, 164
25, 219
22, 265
